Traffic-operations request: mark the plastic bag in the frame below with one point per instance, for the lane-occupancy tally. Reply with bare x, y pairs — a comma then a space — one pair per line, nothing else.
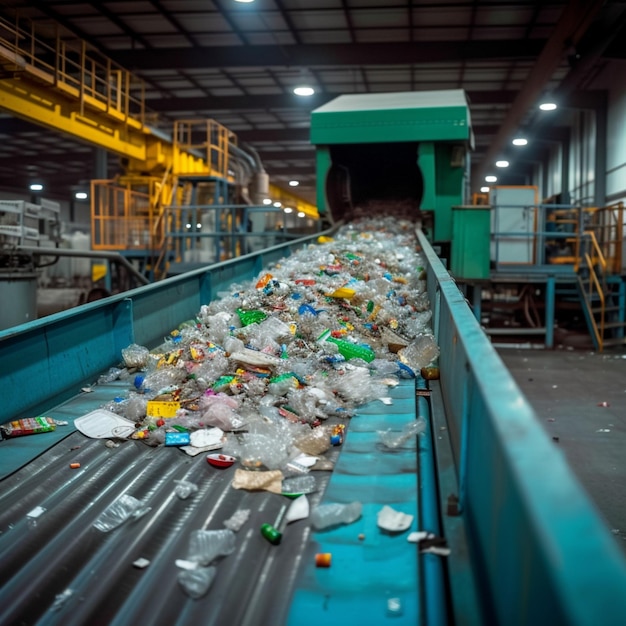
422, 351
136, 356
299, 484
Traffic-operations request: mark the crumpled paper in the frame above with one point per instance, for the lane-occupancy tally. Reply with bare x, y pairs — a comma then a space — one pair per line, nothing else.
258, 481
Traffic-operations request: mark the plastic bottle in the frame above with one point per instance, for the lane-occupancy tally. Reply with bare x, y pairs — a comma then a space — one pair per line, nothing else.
347, 349
250, 317
299, 485
422, 351
327, 515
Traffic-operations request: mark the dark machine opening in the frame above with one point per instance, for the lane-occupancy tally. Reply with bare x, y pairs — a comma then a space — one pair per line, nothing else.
374, 179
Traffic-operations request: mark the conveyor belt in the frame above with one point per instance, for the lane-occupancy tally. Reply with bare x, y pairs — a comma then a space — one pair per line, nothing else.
528, 525
367, 573
62, 551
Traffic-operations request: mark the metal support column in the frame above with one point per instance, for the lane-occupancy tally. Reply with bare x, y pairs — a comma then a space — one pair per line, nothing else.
550, 294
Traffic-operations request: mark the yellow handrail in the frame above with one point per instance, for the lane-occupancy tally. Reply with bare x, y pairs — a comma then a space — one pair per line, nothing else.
599, 254
598, 332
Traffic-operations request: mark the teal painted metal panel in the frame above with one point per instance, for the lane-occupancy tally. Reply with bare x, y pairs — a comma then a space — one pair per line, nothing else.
392, 117
530, 524
470, 242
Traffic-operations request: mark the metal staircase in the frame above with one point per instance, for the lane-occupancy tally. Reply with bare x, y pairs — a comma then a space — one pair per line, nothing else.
601, 284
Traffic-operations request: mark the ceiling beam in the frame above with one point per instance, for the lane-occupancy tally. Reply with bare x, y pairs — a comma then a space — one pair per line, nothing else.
579, 99
571, 27
307, 55
267, 156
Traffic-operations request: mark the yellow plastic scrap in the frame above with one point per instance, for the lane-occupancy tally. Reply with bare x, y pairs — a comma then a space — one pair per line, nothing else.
342, 292
374, 313
170, 358
324, 239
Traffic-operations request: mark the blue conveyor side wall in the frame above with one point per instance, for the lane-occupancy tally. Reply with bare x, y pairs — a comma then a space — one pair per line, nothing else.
541, 551
48, 360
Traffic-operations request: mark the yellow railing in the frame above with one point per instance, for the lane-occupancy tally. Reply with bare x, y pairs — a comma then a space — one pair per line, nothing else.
72, 67
121, 218
209, 140
607, 223
595, 258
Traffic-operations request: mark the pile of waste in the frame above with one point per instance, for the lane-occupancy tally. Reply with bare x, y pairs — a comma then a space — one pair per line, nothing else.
310, 338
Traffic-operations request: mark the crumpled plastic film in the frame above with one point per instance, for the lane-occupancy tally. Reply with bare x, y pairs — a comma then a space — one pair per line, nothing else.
258, 481
237, 519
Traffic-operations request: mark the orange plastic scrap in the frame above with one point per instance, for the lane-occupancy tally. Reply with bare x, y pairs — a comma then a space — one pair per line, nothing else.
262, 282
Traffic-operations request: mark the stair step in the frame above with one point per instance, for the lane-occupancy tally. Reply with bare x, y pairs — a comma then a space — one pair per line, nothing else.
614, 341
607, 309
608, 325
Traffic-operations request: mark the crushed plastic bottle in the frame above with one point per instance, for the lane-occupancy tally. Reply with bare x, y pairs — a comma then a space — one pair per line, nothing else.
393, 439
206, 545
327, 515
117, 513
197, 582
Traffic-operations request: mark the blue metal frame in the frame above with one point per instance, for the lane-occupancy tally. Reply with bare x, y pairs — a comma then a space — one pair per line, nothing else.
543, 552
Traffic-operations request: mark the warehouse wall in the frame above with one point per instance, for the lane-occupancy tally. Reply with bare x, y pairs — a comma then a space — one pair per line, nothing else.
582, 158
616, 140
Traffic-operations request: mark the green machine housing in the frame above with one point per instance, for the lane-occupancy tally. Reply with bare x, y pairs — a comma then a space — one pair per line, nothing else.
401, 154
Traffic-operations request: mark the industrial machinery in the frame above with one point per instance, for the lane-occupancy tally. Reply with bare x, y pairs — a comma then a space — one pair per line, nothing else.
484, 476
186, 192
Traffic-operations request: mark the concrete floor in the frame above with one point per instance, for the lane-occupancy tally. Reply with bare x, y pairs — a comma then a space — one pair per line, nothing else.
580, 398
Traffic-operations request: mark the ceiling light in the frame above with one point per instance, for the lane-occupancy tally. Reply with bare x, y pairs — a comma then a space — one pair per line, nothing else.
81, 195
301, 214
198, 225
484, 190
502, 163
187, 225
304, 90
244, 0
277, 205
294, 183
267, 201
519, 141
36, 187
288, 209
547, 106
491, 179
